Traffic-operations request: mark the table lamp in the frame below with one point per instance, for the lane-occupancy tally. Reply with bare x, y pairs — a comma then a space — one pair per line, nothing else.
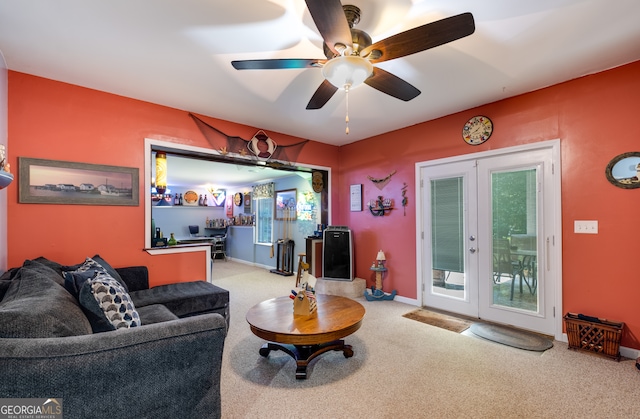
381, 259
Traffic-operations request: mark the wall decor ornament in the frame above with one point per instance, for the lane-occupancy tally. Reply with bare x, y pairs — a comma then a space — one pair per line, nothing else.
317, 181
63, 182
286, 203
260, 146
405, 200
5, 173
382, 182
623, 170
379, 207
477, 130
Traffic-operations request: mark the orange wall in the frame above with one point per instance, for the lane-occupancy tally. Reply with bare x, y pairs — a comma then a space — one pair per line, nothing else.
53, 120
594, 117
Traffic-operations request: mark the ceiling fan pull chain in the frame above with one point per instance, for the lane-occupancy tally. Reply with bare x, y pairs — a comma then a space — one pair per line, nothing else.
346, 119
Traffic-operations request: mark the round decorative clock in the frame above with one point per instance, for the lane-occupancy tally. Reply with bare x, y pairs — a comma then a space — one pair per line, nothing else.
477, 130
237, 199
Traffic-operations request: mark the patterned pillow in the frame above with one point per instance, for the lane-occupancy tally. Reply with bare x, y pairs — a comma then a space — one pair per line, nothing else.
106, 303
90, 267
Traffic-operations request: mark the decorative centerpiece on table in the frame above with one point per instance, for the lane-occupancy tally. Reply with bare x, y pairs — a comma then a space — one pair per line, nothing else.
304, 296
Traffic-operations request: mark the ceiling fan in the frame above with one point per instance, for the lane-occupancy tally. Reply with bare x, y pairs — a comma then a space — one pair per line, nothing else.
351, 54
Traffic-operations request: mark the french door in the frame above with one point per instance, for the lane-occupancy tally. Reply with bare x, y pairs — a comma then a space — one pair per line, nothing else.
490, 239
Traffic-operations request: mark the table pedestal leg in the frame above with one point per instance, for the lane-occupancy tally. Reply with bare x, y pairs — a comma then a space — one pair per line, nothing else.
303, 354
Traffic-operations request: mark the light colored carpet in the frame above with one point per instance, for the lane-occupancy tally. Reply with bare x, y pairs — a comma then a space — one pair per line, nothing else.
405, 369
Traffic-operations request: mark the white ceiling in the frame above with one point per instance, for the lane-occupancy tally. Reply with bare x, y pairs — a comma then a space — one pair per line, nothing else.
178, 53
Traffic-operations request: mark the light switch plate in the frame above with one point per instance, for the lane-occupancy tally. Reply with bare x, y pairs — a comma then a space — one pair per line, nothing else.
585, 227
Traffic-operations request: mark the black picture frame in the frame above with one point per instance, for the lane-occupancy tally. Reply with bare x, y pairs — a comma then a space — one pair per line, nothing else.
43, 181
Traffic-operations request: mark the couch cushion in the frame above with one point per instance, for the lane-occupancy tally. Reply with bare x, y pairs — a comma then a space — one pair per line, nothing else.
155, 313
36, 306
57, 267
106, 303
8, 275
185, 298
4, 286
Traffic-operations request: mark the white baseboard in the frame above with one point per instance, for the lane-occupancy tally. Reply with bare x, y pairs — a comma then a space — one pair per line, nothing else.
410, 301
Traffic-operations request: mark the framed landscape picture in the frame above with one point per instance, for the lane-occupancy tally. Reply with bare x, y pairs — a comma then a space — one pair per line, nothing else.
62, 182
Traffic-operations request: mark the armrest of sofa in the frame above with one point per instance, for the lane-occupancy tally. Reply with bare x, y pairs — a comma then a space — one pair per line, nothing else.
169, 369
136, 277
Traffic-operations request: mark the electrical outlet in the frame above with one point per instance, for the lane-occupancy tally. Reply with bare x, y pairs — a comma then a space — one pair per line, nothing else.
585, 227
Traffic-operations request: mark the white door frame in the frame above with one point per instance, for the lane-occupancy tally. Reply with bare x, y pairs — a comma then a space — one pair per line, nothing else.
555, 252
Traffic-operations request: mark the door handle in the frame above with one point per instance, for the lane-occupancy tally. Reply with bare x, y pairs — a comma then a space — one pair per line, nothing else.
472, 249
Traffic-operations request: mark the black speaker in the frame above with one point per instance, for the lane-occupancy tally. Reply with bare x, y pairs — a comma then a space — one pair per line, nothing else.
337, 253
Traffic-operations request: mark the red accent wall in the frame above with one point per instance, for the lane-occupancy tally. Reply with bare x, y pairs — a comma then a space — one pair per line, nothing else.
594, 117
59, 121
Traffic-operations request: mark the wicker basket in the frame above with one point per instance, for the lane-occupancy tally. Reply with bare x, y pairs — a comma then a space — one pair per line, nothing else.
601, 337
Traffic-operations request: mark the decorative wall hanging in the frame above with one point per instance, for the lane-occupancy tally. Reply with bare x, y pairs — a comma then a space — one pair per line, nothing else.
477, 130
64, 182
260, 145
229, 206
405, 200
381, 183
286, 204
219, 197
379, 207
355, 198
5, 172
317, 181
623, 170
247, 203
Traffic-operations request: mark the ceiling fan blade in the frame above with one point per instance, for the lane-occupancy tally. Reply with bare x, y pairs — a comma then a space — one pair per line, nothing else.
322, 95
392, 85
331, 22
277, 64
422, 38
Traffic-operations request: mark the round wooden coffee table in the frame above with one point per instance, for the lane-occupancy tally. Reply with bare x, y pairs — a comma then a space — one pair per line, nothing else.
306, 337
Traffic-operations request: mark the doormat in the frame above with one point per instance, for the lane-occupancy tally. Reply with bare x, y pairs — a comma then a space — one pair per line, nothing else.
442, 321
511, 337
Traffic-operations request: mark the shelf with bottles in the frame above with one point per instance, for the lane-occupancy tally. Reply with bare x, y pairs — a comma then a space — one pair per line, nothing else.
177, 201
239, 220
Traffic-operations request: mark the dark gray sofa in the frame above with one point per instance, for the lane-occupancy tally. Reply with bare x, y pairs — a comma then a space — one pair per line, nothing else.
167, 367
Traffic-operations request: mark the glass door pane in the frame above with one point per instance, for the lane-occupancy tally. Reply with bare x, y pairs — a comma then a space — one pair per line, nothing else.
449, 253
447, 236
514, 233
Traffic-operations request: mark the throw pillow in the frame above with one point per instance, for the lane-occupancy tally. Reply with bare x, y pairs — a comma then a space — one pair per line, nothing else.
73, 281
97, 264
106, 303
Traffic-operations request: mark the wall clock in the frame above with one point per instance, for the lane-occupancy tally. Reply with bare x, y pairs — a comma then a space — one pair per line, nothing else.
477, 130
237, 199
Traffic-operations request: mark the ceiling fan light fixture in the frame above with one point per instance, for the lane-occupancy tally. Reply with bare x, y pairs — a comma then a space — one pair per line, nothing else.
349, 71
